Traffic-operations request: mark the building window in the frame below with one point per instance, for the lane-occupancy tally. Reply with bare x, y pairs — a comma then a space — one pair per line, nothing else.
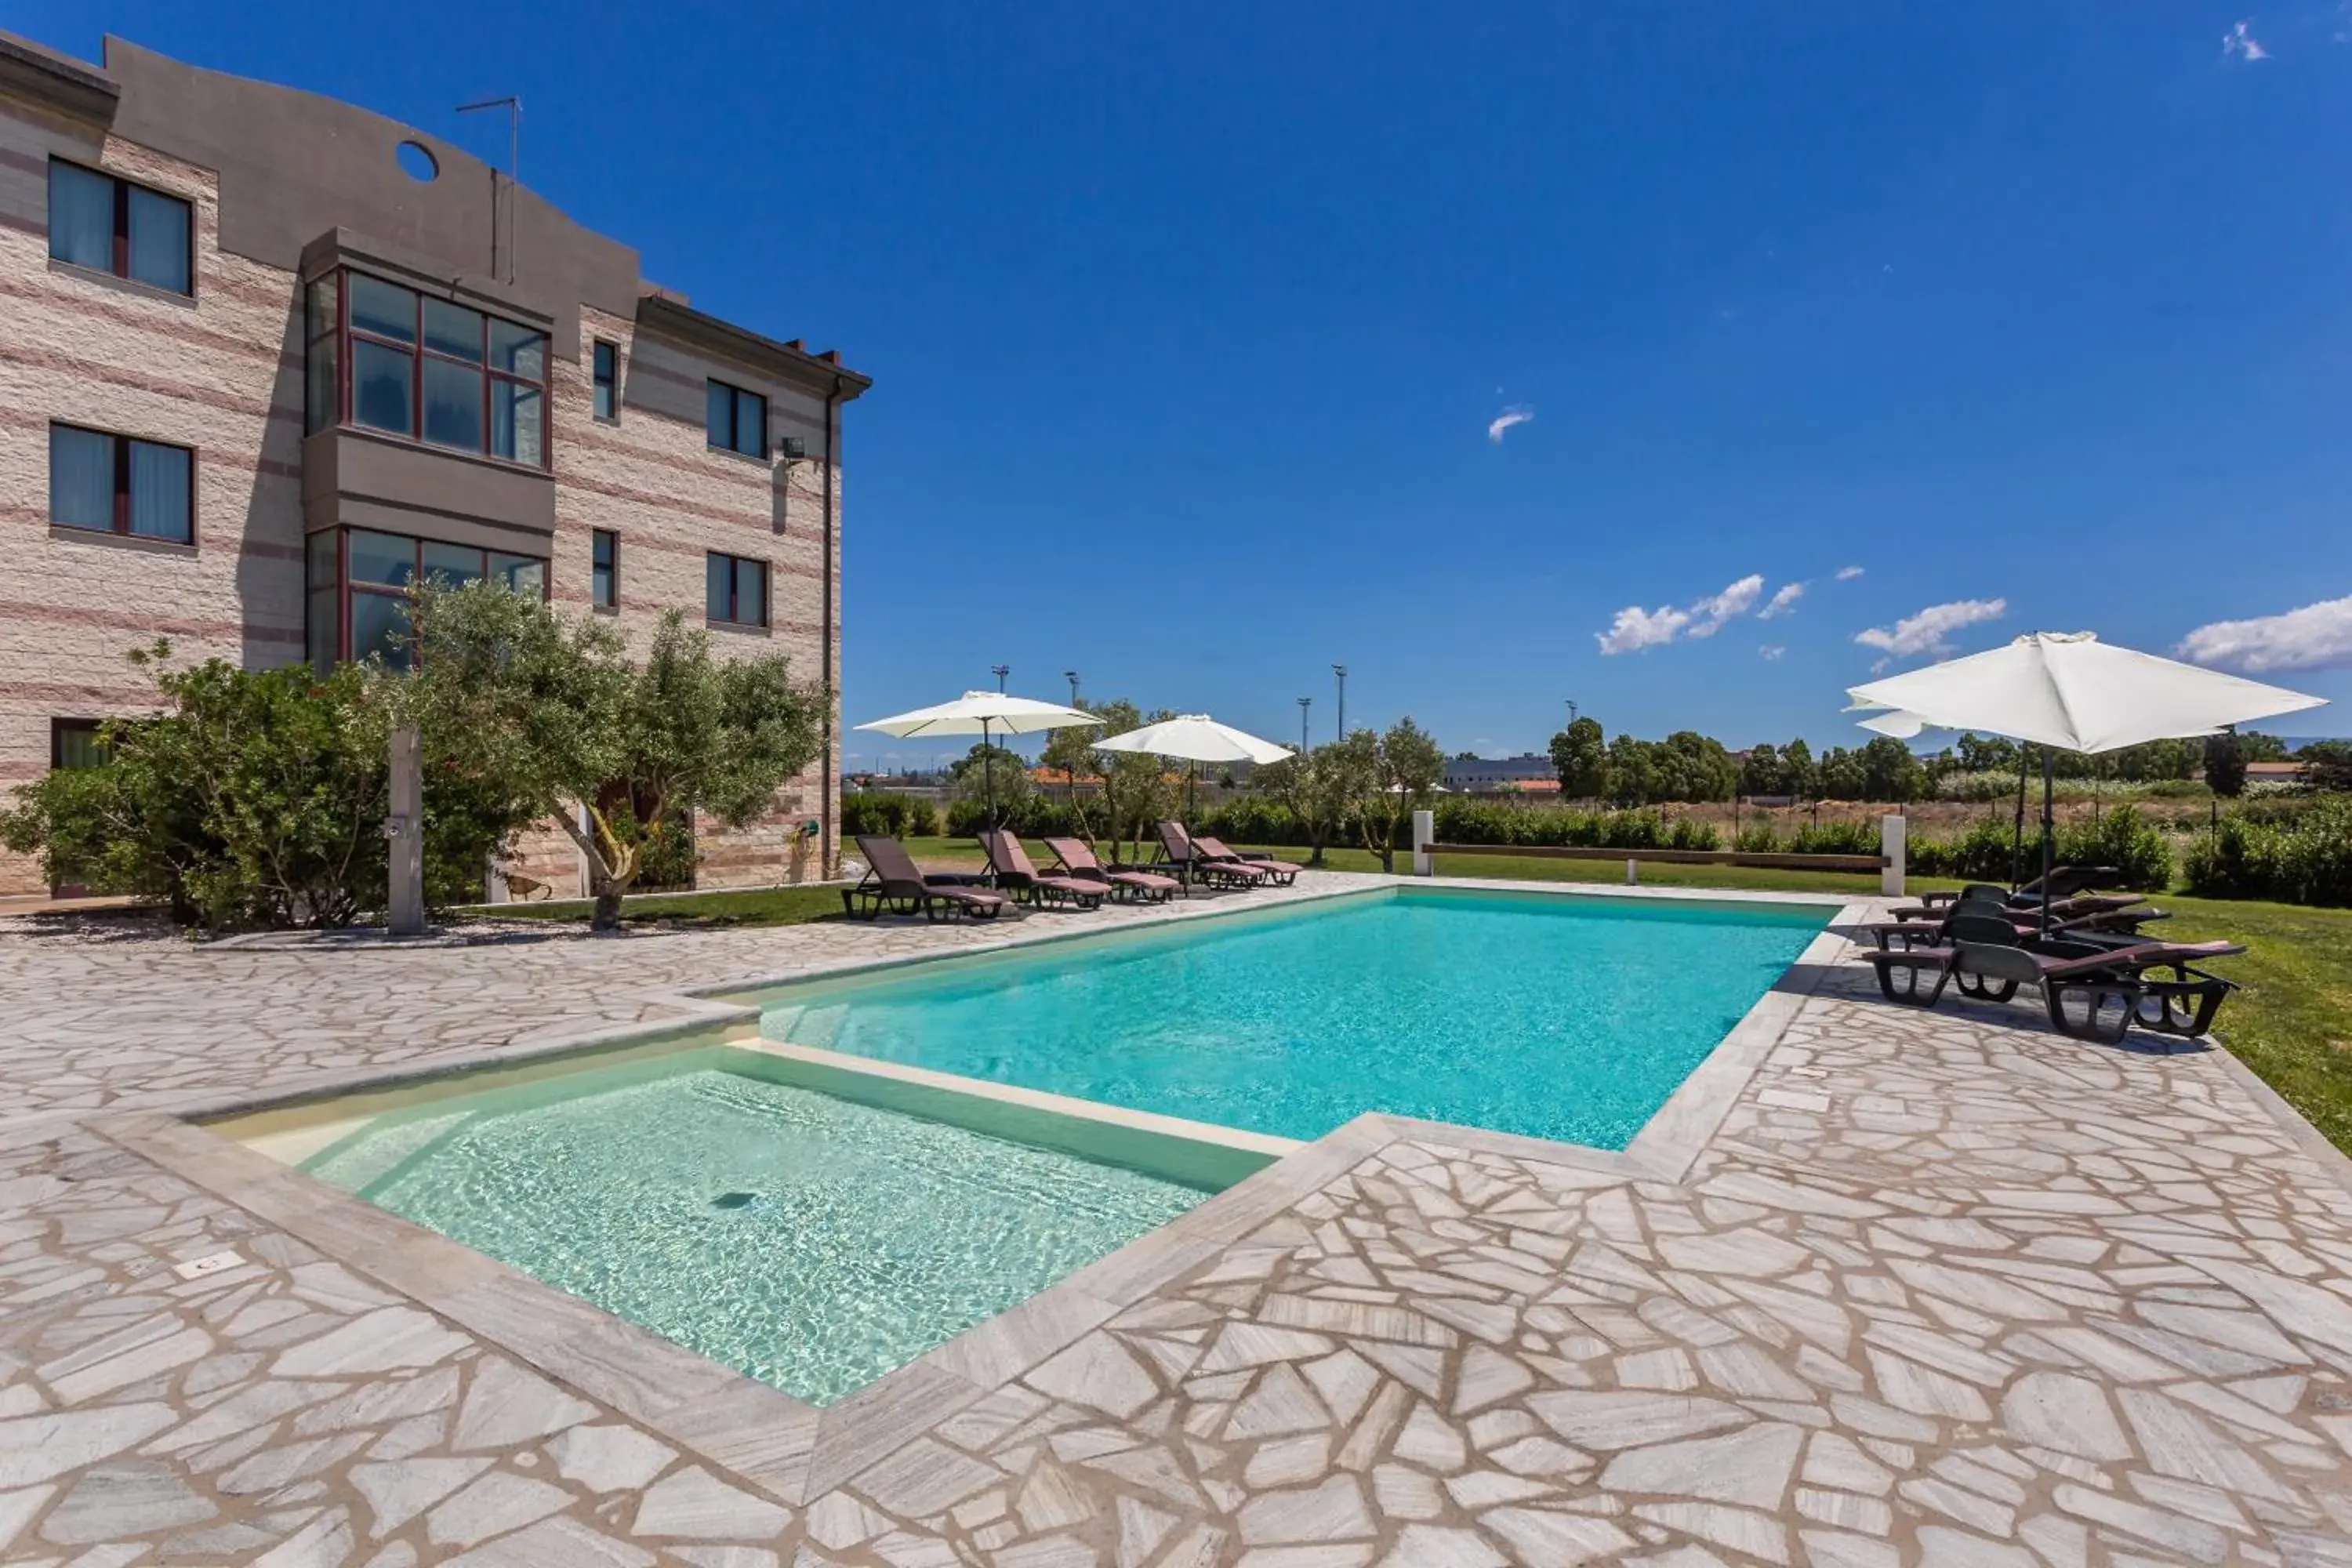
112, 226
389, 359
735, 420
608, 381
604, 573
75, 743
357, 583
117, 484
735, 590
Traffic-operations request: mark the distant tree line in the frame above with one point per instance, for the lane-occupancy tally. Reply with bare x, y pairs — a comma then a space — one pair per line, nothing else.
1626, 771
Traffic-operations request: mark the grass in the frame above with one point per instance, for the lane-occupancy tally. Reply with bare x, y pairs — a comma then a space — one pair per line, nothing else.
2291, 1023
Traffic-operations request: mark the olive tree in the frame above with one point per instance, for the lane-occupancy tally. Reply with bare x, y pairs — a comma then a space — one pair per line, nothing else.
1131, 790
1391, 776
1318, 786
608, 748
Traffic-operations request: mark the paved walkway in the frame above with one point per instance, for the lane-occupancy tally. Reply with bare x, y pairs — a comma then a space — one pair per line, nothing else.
1942, 1289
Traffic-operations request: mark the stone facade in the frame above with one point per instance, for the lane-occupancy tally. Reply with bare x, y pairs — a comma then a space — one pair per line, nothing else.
221, 371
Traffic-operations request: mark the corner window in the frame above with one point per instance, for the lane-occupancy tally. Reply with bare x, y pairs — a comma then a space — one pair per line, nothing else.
112, 226
735, 420
604, 570
608, 381
735, 591
386, 358
117, 484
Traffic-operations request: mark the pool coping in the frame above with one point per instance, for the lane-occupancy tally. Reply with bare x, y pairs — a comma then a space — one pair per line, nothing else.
794, 1451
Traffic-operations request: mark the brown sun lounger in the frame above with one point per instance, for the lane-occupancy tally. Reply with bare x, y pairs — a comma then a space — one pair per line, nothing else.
894, 884
2108, 928
1180, 855
1014, 873
1281, 872
1077, 861
2078, 981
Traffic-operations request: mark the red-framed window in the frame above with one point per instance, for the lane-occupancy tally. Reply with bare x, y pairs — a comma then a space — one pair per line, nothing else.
120, 484
735, 590
358, 581
110, 224
386, 358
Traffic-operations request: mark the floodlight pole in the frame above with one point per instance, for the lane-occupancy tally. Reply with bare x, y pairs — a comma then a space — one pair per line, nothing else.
1340, 730
1074, 685
1303, 703
1000, 671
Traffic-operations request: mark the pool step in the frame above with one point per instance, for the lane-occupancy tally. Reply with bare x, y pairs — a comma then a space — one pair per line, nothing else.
804, 1025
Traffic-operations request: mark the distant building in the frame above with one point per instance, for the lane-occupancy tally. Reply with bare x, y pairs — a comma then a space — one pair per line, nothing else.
2287, 772
1500, 775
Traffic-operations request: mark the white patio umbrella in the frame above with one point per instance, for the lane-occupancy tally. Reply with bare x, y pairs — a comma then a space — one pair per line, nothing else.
1195, 738
986, 714
2069, 689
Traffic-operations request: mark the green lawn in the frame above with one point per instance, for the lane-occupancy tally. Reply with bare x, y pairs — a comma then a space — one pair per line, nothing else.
2292, 1023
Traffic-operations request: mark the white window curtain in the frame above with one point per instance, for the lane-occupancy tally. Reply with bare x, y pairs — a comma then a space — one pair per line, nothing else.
82, 478
161, 491
81, 216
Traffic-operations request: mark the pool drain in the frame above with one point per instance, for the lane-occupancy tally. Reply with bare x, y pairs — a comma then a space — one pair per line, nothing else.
732, 1200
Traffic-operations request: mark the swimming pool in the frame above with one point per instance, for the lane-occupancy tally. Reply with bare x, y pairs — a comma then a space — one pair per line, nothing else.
801, 1238
1554, 1015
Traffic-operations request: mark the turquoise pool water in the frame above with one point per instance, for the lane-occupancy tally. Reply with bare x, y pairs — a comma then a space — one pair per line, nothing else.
811, 1242
1559, 1017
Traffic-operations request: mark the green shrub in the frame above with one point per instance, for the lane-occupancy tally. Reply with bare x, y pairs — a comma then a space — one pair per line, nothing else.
2306, 861
877, 811
257, 800
1759, 839
1836, 839
1691, 833
1982, 854
2120, 837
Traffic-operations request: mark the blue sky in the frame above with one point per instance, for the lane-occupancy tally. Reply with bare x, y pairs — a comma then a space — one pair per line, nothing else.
1192, 327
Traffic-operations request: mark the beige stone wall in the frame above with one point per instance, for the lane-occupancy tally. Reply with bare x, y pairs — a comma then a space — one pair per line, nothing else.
221, 373
652, 480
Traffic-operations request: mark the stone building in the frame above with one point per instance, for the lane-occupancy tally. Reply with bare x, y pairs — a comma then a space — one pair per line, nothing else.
265, 356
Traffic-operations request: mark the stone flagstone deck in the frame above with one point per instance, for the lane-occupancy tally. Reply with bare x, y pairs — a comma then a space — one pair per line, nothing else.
1941, 1289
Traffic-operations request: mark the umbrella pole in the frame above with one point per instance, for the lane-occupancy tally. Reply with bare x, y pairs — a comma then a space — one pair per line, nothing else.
988, 772
2017, 836
2049, 833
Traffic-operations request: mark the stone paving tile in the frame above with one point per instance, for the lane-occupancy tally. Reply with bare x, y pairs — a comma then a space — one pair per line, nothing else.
1942, 1289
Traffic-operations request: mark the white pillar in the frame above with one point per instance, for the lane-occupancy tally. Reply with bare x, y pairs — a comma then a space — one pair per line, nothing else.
1891, 837
404, 827
1424, 834
1633, 872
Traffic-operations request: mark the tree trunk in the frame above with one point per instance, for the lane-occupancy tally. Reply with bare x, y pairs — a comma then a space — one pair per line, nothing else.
608, 908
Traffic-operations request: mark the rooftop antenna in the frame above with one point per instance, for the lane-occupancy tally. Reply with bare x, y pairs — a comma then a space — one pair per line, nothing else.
513, 106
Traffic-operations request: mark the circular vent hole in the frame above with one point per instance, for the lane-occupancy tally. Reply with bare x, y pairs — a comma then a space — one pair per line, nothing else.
417, 162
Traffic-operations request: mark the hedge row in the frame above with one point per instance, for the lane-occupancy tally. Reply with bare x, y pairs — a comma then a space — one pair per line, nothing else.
2307, 861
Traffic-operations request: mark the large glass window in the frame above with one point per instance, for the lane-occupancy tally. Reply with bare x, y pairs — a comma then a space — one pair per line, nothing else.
112, 226
76, 743
359, 581
426, 369
735, 420
119, 484
605, 569
735, 590
608, 381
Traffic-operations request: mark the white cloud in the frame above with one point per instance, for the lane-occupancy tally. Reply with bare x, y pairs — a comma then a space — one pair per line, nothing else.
1637, 629
1708, 614
1848, 573
1771, 650
2316, 637
2239, 42
1783, 602
1516, 414
1931, 629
